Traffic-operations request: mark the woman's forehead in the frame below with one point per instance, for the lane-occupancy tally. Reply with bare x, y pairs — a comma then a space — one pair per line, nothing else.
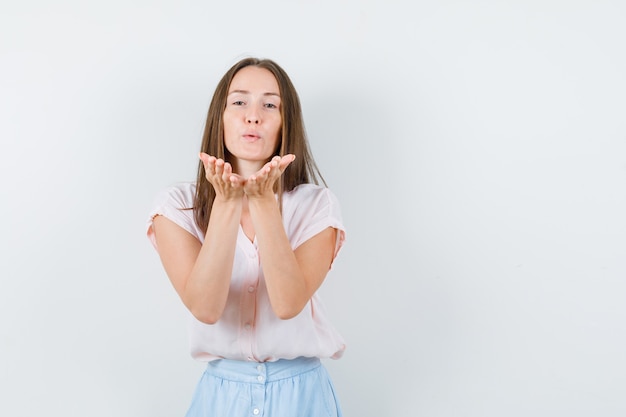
254, 79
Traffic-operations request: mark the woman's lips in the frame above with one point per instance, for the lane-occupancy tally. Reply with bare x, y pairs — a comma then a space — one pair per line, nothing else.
251, 137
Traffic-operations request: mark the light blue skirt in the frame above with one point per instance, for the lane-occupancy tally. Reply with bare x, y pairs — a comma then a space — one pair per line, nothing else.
286, 388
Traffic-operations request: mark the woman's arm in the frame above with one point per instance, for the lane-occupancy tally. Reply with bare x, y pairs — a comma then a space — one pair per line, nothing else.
201, 273
291, 277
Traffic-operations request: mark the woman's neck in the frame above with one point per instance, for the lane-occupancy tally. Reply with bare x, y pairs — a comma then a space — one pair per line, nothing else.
246, 168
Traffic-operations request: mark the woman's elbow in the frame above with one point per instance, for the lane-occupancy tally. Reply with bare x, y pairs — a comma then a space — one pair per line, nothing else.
287, 312
206, 316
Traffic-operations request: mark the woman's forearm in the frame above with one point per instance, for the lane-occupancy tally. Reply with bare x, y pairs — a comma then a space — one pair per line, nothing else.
284, 278
206, 288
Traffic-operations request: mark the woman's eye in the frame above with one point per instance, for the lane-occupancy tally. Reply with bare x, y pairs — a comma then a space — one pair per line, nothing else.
271, 106
238, 103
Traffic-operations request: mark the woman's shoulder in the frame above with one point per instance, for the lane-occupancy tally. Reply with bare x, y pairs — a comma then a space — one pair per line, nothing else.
307, 210
310, 195
175, 202
307, 192
179, 194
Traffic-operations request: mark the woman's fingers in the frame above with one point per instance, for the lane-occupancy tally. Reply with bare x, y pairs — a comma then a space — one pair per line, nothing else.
214, 167
285, 161
263, 181
220, 174
278, 165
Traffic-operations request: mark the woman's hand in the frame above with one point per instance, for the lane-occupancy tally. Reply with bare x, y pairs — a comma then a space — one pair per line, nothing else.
262, 183
227, 184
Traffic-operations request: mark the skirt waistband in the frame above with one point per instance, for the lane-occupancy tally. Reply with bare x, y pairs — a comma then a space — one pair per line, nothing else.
261, 372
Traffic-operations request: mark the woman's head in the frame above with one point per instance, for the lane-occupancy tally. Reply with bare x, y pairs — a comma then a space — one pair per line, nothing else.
291, 138
252, 120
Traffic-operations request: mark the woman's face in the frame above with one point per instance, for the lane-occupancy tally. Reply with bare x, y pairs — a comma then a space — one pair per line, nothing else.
252, 120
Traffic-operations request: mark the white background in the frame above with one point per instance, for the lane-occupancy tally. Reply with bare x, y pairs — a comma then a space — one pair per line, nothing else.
478, 150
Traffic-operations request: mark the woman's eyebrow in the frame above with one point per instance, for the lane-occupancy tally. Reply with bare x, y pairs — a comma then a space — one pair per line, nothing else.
247, 92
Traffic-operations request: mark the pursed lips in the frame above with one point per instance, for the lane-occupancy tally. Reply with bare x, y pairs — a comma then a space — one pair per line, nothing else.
251, 136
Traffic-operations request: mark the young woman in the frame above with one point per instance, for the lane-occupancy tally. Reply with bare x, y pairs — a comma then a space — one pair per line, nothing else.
246, 248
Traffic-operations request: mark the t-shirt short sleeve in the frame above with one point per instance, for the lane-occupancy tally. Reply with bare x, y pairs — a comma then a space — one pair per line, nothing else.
312, 209
175, 203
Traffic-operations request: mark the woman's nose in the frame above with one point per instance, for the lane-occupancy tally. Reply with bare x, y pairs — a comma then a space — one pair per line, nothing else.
252, 116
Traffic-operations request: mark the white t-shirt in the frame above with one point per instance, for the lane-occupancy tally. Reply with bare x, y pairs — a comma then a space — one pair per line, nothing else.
248, 328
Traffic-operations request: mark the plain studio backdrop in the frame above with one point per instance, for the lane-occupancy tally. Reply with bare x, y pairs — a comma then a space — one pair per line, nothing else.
478, 150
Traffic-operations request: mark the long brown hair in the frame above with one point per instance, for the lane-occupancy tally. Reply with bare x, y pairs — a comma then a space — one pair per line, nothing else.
293, 139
